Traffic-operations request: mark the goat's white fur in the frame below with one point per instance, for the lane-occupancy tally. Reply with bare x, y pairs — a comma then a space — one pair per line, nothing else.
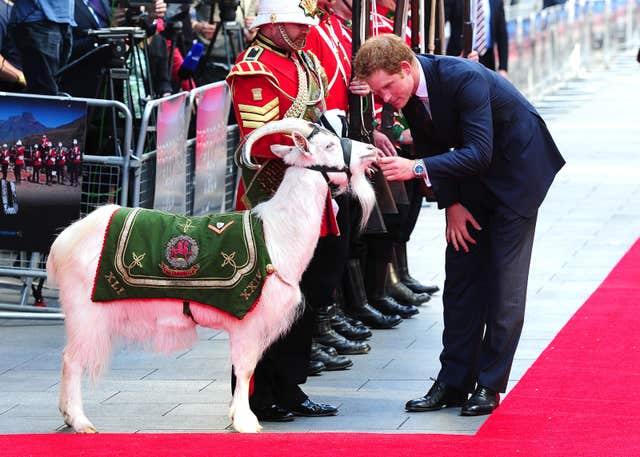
291, 219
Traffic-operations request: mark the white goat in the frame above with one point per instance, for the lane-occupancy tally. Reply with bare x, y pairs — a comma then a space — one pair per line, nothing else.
291, 224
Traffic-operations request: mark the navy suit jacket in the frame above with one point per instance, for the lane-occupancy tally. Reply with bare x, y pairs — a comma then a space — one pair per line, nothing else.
481, 126
497, 24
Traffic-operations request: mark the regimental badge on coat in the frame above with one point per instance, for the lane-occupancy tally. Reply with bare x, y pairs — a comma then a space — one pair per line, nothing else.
257, 94
309, 7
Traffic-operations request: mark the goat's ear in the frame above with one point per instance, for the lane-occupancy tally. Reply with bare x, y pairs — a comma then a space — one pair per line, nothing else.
301, 142
281, 150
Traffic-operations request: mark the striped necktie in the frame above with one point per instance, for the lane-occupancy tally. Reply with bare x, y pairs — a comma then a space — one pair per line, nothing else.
481, 31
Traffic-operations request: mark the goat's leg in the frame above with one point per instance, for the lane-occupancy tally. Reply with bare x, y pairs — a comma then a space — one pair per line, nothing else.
240, 413
71, 395
244, 357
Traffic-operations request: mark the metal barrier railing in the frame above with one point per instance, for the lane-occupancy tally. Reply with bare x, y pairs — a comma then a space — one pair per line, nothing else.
144, 174
104, 179
550, 46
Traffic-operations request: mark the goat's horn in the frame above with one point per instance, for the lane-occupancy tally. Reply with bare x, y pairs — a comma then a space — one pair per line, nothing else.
282, 126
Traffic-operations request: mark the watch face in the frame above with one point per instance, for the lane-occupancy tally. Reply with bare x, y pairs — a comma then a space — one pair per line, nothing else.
418, 169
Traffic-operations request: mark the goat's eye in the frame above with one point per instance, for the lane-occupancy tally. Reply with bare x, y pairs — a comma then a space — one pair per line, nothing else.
329, 146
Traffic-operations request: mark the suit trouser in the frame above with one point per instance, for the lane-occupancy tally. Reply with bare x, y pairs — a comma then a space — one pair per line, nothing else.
284, 365
484, 294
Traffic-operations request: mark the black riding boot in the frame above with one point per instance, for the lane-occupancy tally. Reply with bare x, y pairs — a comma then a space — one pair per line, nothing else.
324, 334
356, 295
402, 269
376, 280
398, 290
341, 324
329, 359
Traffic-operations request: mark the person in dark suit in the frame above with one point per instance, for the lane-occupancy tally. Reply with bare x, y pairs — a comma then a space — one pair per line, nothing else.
497, 38
490, 159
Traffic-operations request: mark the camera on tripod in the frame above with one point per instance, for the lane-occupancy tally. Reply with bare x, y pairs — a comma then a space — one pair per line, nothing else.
117, 39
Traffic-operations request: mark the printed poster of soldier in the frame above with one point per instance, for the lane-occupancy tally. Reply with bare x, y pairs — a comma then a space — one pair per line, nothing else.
41, 152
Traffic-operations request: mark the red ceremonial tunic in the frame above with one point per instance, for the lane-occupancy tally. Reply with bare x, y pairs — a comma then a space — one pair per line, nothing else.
327, 41
265, 86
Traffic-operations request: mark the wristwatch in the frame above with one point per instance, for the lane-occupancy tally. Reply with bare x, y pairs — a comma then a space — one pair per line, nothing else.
419, 169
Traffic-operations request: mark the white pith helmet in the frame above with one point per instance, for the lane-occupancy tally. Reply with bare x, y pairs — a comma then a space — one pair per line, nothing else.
286, 11
19, 143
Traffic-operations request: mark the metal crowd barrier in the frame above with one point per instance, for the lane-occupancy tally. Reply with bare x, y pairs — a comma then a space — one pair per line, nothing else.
18, 269
550, 46
144, 175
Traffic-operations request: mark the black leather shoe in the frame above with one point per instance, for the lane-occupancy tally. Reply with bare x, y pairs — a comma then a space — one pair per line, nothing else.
355, 333
374, 318
309, 408
328, 349
353, 321
406, 296
398, 290
274, 413
418, 287
315, 367
439, 396
388, 305
329, 362
482, 401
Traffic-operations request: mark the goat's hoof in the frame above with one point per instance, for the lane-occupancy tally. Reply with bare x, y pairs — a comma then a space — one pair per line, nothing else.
90, 429
249, 426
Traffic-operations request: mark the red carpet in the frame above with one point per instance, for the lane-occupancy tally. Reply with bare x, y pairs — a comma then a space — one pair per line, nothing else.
580, 398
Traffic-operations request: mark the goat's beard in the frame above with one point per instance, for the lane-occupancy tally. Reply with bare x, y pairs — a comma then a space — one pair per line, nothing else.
363, 191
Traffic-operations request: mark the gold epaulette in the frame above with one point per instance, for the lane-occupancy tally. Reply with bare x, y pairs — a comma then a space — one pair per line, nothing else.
245, 68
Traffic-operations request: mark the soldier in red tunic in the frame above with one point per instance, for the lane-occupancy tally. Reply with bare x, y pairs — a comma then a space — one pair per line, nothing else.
273, 79
36, 160
18, 161
75, 163
5, 160
51, 158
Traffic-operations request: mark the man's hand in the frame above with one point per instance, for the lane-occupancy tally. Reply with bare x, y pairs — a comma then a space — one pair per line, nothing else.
205, 29
396, 168
473, 55
383, 143
159, 9
359, 87
457, 233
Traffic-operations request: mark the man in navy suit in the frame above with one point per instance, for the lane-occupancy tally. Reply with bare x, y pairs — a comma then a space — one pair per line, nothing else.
490, 159
497, 37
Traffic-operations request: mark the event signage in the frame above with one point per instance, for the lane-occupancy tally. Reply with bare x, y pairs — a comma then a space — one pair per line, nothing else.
211, 150
171, 168
41, 151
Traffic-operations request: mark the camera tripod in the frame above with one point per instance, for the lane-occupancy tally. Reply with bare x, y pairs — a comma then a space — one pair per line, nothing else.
216, 68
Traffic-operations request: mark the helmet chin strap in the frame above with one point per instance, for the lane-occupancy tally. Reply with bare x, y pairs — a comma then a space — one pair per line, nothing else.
287, 39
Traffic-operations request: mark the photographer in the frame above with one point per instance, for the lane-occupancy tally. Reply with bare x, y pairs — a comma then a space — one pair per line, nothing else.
85, 77
41, 30
229, 27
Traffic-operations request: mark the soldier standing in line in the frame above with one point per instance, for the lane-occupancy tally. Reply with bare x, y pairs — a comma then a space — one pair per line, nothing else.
62, 162
18, 162
37, 164
273, 79
332, 327
75, 163
50, 162
5, 160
